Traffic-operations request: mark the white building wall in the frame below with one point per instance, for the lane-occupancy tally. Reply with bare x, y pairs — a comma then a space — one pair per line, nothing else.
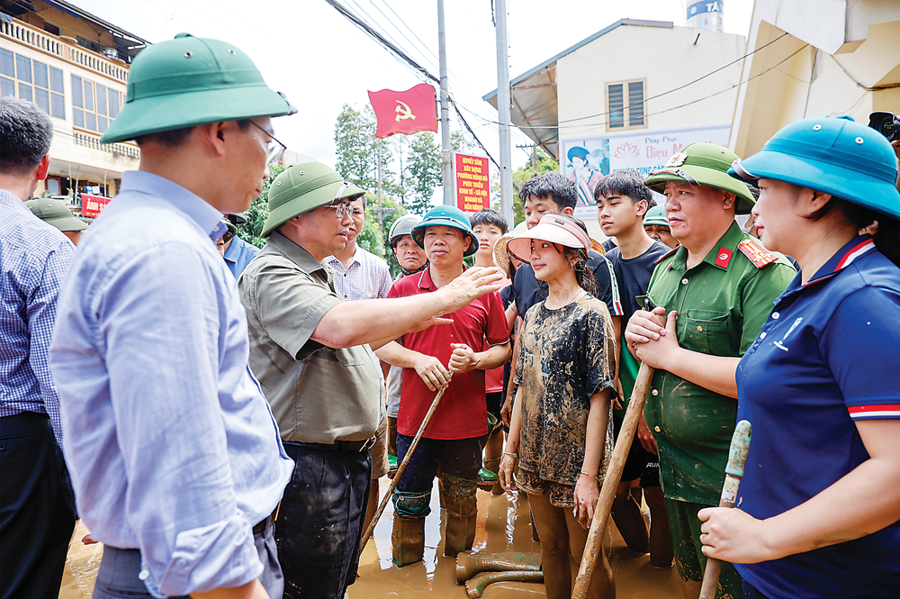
667, 58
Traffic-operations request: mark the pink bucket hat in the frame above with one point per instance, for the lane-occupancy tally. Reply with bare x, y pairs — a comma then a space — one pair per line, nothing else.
554, 228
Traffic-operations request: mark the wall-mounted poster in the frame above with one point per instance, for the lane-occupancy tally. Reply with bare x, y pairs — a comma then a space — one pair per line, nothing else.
586, 160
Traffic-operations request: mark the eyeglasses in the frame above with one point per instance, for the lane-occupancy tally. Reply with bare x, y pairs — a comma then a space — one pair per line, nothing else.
342, 208
274, 148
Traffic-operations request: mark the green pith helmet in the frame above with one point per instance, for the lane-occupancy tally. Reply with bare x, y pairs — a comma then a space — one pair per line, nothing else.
656, 216
192, 81
703, 164
304, 187
56, 213
445, 216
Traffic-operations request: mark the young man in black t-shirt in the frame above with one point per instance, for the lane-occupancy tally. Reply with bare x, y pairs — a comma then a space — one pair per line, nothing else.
622, 200
552, 193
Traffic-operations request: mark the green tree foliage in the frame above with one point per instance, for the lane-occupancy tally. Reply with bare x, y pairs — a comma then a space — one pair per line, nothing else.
256, 215
354, 139
423, 173
539, 164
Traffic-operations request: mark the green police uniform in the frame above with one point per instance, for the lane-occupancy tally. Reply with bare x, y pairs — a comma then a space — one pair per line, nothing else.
722, 304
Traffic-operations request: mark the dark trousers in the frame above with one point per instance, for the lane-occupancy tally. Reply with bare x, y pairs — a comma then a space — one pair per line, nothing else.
461, 458
119, 573
37, 508
319, 525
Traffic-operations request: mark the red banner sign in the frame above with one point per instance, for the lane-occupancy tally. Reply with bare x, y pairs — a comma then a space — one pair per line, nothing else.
92, 206
404, 112
473, 188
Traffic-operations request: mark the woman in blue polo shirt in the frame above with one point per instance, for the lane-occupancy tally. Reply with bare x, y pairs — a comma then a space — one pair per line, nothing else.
819, 505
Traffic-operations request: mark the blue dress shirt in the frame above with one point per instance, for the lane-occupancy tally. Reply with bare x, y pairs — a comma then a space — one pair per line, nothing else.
172, 447
34, 258
238, 255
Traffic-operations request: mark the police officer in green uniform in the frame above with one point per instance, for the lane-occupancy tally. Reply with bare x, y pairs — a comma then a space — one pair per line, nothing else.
714, 293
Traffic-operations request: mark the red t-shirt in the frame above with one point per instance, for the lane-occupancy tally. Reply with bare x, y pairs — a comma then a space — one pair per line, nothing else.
493, 379
462, 413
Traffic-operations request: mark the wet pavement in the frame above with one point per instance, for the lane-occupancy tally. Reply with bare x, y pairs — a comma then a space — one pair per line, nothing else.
503, 525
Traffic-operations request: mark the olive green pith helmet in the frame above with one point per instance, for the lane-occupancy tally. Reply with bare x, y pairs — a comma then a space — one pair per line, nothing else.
191, 81
56, 213
703, 164
304, 187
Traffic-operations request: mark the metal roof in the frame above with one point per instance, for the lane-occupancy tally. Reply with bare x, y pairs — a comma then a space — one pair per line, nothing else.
533, 94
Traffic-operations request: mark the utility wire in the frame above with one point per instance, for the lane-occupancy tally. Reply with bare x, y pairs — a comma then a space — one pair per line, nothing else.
727, 89
366, 28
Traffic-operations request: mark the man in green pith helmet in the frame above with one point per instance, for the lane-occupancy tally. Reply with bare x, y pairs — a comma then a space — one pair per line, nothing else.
56, 213
312, 352
714, 293
174, 453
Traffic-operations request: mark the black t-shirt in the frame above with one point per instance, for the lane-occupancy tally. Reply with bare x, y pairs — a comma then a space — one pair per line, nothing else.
633, 276
527, 290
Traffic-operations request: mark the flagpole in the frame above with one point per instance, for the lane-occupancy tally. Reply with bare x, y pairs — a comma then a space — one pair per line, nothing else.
445, 109
503, 101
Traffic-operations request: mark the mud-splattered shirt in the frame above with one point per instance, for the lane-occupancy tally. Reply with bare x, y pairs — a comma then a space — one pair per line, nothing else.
566, 355
722, 304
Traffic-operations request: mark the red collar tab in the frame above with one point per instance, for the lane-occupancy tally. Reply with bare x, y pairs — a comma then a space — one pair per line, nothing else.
723, 258
757, 254
667, 254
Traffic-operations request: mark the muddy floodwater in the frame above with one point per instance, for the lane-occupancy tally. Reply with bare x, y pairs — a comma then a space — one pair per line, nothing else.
503, 525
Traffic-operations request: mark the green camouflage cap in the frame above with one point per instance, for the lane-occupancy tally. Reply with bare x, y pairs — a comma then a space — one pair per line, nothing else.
56, 213
703, 164
191, 81
304, 187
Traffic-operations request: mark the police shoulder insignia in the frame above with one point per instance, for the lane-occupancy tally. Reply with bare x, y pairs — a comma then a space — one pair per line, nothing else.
677, 160
757, 254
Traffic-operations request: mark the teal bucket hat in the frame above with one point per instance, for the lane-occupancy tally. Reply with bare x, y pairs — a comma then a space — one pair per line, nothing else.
304, 187
656, 216
191, 81
833, 155
445, 216
703, 164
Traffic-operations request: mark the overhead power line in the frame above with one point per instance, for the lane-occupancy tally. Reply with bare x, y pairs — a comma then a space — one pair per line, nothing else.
366, 28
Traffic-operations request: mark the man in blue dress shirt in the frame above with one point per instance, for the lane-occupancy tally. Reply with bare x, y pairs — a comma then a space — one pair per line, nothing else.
175, 457
238, 253
37, 511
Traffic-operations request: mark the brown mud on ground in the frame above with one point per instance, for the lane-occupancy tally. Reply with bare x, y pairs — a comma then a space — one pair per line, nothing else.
503, 525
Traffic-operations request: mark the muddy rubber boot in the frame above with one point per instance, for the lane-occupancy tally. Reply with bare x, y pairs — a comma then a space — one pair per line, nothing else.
493, 464
475, 586
407, 540
468, 565
462, 509
408, 534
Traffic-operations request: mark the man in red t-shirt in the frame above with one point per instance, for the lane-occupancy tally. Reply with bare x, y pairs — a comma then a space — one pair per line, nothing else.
452, 438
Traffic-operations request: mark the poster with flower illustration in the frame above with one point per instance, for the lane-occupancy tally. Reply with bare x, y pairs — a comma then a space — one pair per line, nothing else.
586, 160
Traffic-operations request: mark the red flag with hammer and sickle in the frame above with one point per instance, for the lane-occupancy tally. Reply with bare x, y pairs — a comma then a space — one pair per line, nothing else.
405, 112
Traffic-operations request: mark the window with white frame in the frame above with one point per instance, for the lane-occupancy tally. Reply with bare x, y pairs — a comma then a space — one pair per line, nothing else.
32, 80
94, 106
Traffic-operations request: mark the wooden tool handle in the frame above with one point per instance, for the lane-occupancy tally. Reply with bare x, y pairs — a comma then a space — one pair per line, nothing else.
402, 467
594, 544
734, 471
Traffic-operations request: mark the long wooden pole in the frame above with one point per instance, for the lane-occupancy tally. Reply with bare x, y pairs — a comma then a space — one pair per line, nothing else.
594, 544
734, 471
402, 467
